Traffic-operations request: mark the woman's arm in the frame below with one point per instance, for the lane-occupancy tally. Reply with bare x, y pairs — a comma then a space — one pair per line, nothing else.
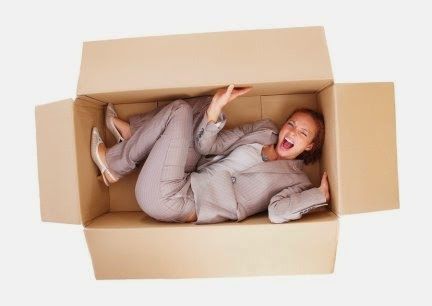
209, 138
294, 201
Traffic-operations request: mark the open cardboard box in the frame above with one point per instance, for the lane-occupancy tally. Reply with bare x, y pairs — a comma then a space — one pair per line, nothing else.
287, 67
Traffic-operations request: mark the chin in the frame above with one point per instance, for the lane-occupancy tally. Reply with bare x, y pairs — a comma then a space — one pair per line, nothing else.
282, 156
283, 153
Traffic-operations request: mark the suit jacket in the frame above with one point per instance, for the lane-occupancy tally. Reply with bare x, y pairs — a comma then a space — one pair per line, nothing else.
281, 186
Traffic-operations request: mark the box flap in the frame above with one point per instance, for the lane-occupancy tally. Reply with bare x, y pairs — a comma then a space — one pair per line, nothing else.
206, 60
57, 162
133, 245
366, 147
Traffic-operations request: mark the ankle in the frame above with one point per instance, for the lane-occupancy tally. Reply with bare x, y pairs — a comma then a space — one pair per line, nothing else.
123, 127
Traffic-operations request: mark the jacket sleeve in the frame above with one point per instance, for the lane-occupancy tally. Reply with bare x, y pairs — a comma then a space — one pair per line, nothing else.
294, 201
210, 137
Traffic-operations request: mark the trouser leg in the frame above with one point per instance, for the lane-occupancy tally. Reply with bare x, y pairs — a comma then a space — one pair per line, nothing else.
123, 157
198, 106
163, 187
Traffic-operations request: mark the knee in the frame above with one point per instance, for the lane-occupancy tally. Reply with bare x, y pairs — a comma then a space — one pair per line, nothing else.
149, 204
144, 196
182, 105
158, 209
158, 214
149, 209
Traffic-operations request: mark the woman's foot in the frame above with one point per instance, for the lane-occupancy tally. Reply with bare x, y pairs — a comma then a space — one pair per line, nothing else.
123, 127
98, 154
102, 155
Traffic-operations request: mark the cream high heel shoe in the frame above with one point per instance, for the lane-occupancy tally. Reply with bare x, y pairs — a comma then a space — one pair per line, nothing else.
109, 122
107, 176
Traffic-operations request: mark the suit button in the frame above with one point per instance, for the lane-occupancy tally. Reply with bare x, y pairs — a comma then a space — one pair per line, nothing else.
233, 179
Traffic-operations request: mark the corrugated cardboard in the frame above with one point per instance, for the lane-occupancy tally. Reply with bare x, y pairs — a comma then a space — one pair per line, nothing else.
287, 68
132, 245
165, 67
57, 162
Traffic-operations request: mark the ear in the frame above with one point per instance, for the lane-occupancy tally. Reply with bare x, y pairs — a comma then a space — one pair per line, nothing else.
309, 147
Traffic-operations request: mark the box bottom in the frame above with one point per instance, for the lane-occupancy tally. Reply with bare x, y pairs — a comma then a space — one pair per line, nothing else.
126, 245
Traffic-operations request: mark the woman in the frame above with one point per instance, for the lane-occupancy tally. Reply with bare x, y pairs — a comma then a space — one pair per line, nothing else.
196, 172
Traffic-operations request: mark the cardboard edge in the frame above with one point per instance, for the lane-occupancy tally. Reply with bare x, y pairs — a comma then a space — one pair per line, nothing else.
327, 95
172, 34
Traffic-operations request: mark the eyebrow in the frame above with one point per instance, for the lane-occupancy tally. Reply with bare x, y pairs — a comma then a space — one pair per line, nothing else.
301, 128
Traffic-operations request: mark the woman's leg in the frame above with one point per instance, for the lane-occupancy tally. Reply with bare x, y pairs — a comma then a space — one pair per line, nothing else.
198, 105
123, 127
163, 187
123, 157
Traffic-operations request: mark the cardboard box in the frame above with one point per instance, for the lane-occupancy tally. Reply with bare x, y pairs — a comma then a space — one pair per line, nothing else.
287, 67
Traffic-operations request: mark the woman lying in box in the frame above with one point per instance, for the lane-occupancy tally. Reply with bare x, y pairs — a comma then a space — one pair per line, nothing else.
194, 171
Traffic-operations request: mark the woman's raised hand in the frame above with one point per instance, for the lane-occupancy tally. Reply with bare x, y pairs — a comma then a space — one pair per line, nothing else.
224, 96
325, 186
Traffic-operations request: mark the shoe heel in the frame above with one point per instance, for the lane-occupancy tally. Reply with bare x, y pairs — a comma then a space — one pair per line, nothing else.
101, 178
117, 134
95, 141
109, 122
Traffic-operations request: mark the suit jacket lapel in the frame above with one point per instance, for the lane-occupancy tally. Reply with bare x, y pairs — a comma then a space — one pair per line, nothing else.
265, 133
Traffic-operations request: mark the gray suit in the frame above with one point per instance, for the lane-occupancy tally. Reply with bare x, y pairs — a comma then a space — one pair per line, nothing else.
178, 140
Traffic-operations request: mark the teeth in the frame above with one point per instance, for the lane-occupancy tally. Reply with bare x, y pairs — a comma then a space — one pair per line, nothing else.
292, 142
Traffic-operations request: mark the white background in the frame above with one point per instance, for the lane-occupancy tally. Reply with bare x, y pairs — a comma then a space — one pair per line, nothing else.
382, 257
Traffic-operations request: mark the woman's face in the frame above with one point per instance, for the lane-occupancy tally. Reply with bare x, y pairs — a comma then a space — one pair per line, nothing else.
296, 136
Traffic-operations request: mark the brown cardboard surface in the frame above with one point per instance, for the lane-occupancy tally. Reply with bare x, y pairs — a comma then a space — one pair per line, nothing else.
367, 156
94, 195
68, 186
209, 60
57, 162
132, 245
329, 158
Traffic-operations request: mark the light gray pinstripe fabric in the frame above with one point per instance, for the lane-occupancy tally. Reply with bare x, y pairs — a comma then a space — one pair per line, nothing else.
281, 186
164, 141
164, 188
241, 158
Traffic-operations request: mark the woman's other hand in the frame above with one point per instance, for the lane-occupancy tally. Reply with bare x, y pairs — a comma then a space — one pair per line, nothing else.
325, 186
222, 97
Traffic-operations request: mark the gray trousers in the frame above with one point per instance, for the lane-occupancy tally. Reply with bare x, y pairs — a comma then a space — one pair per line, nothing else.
163, 139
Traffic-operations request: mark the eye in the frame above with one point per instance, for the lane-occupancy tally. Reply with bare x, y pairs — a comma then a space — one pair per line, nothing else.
304, 134
290, 123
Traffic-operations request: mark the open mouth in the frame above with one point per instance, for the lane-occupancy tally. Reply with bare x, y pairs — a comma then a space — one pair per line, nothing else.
287, 144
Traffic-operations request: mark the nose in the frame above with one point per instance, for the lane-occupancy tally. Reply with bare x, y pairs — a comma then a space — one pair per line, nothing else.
292, 134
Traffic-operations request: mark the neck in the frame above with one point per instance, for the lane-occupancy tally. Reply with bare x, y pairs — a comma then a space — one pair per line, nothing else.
270, 152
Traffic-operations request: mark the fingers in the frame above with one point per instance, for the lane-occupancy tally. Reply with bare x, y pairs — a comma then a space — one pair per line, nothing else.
244, 90
229, 93
229, 90
324, 177
240, 91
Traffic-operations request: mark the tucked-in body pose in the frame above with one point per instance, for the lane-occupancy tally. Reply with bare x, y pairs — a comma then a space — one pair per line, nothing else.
194, 171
